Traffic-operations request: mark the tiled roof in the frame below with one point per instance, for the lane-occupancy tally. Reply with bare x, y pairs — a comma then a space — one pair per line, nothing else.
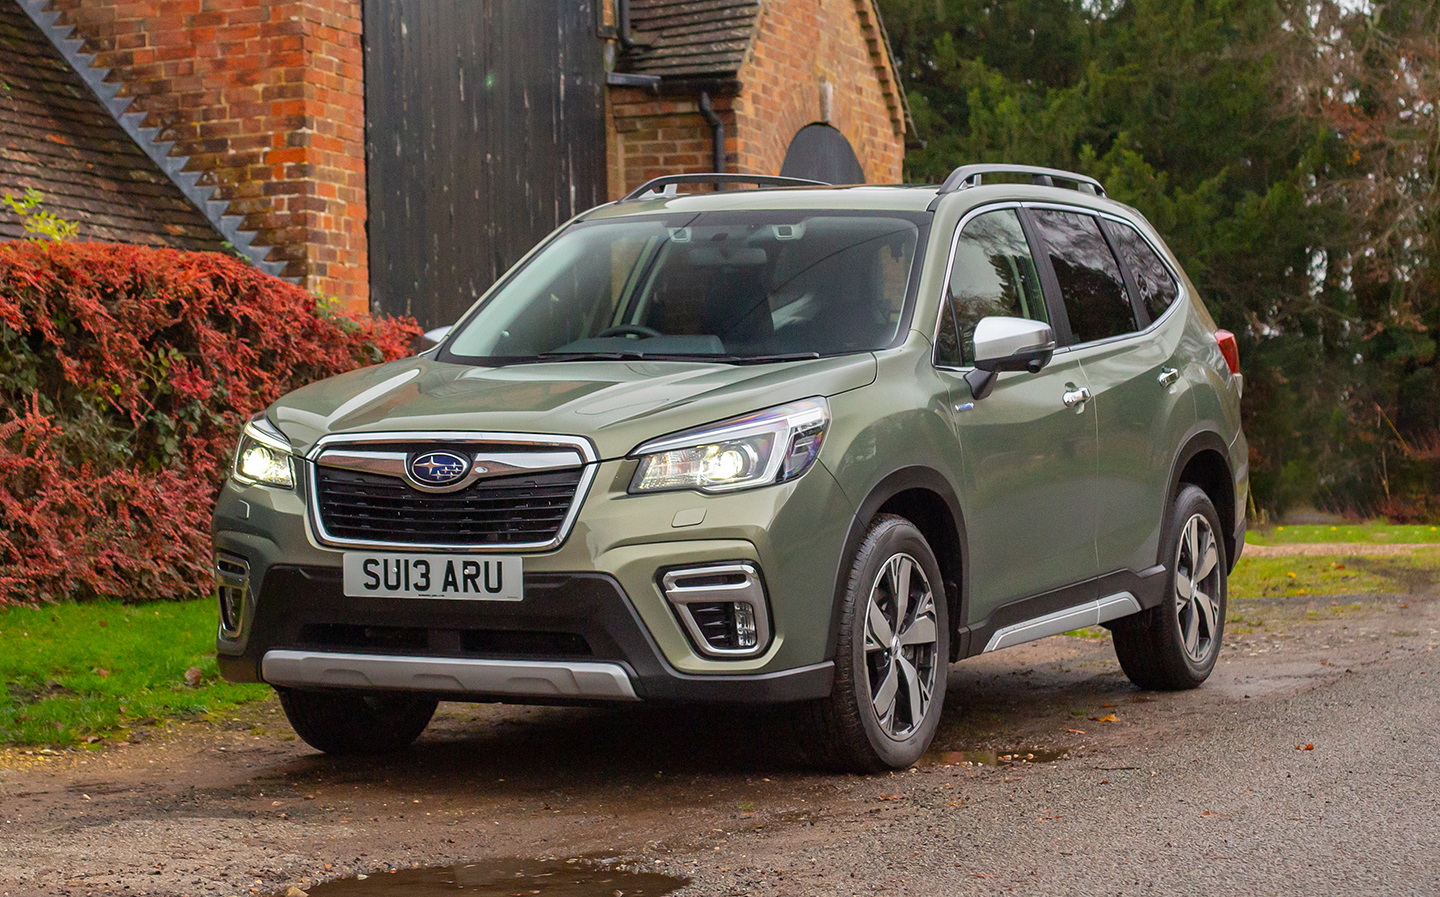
691, 38
56, 137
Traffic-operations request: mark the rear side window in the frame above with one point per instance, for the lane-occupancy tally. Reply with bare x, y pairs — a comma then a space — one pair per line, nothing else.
1090, 279
993, 274
1157, 287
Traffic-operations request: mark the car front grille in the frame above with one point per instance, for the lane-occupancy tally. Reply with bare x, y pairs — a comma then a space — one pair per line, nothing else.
523, 509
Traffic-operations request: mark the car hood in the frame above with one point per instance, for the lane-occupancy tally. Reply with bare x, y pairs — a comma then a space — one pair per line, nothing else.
615, 404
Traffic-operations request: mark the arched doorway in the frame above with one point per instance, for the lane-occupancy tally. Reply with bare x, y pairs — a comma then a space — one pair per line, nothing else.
822, 153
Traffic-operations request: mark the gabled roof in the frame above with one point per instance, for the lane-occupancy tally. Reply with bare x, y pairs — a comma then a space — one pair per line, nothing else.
56, 137
698, 39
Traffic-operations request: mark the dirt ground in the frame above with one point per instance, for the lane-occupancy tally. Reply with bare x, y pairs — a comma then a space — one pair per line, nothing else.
1126, 791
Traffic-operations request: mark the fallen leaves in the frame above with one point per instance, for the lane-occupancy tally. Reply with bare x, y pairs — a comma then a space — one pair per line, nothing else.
1304, 747
891, 797
1107, 718
1077, 731
1213, 813
192, 676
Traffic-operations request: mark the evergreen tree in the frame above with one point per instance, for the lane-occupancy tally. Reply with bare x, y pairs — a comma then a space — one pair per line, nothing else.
1288, 151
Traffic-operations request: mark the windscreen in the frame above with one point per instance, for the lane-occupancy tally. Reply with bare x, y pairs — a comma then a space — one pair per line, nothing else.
741, 286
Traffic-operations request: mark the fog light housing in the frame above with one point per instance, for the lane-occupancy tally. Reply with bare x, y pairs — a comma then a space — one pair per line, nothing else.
232, 589
721, 606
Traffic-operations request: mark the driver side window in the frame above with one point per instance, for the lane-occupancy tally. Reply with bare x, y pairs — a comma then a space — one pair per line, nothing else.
993, 274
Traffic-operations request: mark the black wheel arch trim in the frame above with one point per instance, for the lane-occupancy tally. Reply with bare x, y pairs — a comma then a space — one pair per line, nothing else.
1201, 438
903, 480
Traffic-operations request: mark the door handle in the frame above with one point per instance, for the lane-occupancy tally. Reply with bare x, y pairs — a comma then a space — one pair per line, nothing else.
1076, 397
1168, 376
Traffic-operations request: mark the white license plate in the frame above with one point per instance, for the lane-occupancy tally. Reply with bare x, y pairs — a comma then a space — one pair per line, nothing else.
465, 576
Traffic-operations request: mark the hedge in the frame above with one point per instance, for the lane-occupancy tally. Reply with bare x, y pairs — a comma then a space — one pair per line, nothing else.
125, 376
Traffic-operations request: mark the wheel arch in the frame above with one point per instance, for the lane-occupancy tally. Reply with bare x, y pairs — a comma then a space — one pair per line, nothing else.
923, 496
1204, 462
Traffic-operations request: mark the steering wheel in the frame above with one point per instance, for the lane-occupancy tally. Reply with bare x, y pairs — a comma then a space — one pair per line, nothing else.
639, 330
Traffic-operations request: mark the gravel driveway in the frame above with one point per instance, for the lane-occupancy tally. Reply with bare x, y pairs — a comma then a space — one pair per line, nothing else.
1308, 764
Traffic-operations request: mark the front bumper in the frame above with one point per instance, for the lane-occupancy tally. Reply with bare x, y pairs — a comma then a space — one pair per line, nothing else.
597, 598
575, 638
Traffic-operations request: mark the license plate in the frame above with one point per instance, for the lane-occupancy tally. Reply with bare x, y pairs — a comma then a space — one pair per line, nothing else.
463, 576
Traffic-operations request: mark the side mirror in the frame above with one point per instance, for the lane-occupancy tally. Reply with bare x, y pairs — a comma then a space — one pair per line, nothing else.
1008, 344
436, 336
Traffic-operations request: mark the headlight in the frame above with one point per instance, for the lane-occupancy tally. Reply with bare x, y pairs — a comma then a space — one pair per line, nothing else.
758, 449
263, 456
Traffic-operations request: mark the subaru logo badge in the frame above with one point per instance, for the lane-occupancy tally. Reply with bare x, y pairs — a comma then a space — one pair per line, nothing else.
439, 468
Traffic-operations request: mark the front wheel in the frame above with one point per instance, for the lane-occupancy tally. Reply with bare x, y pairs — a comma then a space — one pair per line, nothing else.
1174, 645
348, 722
892, 654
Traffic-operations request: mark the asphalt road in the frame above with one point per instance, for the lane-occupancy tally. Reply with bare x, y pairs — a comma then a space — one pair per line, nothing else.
1309, 764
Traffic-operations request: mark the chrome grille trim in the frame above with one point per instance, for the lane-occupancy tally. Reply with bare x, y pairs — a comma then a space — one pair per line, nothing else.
483, 465
529, 447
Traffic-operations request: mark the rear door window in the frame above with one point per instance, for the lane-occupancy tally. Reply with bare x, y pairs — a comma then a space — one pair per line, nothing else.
993, 274
1091, 284
1152, 279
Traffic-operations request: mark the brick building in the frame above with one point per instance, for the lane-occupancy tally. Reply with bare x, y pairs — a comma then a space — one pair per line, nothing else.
773, 69
400, 154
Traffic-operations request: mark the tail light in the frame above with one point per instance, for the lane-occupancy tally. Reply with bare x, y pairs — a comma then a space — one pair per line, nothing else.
1229, 348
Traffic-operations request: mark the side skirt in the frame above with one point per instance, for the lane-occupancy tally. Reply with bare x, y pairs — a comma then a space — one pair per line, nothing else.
1123, 593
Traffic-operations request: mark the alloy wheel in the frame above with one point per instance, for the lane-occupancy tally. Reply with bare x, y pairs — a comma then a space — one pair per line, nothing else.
901, 639
1197, 589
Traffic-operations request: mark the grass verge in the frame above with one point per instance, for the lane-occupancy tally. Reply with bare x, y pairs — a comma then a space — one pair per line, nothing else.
1286, 577
76, 673
1377, 531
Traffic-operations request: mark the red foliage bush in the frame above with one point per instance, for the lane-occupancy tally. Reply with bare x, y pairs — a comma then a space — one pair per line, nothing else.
125, 376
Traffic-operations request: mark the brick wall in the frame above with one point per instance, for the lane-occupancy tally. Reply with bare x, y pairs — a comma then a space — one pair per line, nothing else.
651, 136
267, 99
800, 44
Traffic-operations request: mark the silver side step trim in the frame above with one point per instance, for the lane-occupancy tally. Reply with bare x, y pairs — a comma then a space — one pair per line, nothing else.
518, 678
1092, 613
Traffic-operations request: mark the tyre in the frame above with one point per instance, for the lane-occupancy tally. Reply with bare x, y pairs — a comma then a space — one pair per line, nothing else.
1173, 645
347, 722
892, 655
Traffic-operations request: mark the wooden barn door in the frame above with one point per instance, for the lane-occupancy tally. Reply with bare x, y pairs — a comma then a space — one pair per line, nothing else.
484, 129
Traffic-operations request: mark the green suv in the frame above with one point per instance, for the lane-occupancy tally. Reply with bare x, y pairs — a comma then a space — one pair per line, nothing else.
789, 444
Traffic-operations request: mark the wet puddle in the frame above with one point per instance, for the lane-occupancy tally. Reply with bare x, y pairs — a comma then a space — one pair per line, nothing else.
578, 877
993, 758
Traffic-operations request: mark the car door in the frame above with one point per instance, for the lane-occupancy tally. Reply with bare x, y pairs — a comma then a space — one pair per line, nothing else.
1138, 400
1029, 458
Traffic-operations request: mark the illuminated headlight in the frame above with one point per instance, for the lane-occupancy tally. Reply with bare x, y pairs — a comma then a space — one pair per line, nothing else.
263, 456
758, 449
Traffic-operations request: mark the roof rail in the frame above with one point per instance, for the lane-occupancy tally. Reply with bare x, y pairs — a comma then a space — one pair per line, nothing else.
972, 175
665, 185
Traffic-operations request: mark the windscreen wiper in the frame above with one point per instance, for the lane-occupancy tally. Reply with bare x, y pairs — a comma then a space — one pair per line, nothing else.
721, 358
587, 356
763, 359
667, 356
